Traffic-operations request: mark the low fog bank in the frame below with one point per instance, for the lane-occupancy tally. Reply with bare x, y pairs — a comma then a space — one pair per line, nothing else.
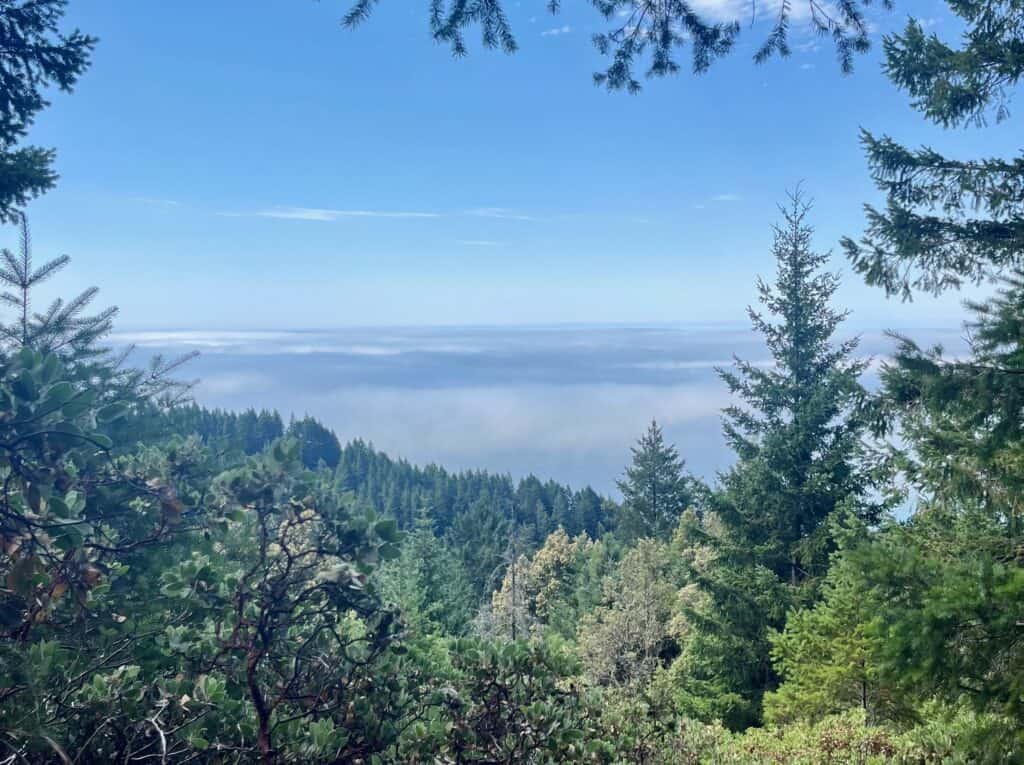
563, 403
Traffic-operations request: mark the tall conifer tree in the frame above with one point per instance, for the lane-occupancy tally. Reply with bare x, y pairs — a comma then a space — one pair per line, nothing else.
797, 437
796, 434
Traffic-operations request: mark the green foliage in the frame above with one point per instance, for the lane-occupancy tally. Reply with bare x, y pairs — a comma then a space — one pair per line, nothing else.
645, 30
475, 513
959, 735
61, 329
947, 221
828, 656
963, 418
950, 588
246, 432
34, 56
725, 667
541, 593
75, 518
401, 490
163, 596
955, 85
655, 490
428, 583
798, 444
233, 613
290, 617
798, 437
844, 740
317, 444
951, 578
633, 632
518, 703
69, 508
183, 585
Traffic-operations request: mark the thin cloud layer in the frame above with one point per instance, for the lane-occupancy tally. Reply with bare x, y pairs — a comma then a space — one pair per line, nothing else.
328, 215
561, 402
499, 212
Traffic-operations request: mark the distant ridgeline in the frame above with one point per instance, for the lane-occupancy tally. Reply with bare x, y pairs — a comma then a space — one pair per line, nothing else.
462, 506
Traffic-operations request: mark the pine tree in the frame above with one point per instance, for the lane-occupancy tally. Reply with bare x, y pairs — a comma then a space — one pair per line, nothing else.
655, 30
655, 490
949, 580
828, 655
428, 582
62, 328
962, 420
591, 513
797, 437
954, 572
34, 57
947, 221
479, 537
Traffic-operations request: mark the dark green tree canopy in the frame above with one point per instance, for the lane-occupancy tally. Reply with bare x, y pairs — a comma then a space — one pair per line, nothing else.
797, 434
947, 221
963, 419
34, 56
316, 443
950, 85
797, 438
655, 490
648, 30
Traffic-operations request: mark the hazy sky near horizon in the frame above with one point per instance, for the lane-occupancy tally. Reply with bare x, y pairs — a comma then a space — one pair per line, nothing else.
559, 402
230, 165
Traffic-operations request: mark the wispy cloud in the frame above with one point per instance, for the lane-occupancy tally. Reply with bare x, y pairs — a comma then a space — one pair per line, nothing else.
326, 214
555, 31
158, 201
726, 198
499, 212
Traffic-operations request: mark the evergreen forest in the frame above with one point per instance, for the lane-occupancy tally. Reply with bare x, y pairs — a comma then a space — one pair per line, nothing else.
185, 584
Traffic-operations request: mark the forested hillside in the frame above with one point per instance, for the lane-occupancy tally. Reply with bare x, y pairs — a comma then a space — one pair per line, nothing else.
477, 514
187, 585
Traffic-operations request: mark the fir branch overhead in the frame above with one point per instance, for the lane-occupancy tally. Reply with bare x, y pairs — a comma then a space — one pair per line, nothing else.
649, 34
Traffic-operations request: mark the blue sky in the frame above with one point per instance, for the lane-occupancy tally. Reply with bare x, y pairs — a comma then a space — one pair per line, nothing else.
230, 165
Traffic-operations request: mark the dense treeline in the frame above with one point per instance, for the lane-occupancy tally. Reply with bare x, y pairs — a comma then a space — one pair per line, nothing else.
248, 432
184, 585
395, 487
399, 489
479, 516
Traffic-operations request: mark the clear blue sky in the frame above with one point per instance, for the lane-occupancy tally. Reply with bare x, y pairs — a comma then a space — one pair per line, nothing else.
231, 165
